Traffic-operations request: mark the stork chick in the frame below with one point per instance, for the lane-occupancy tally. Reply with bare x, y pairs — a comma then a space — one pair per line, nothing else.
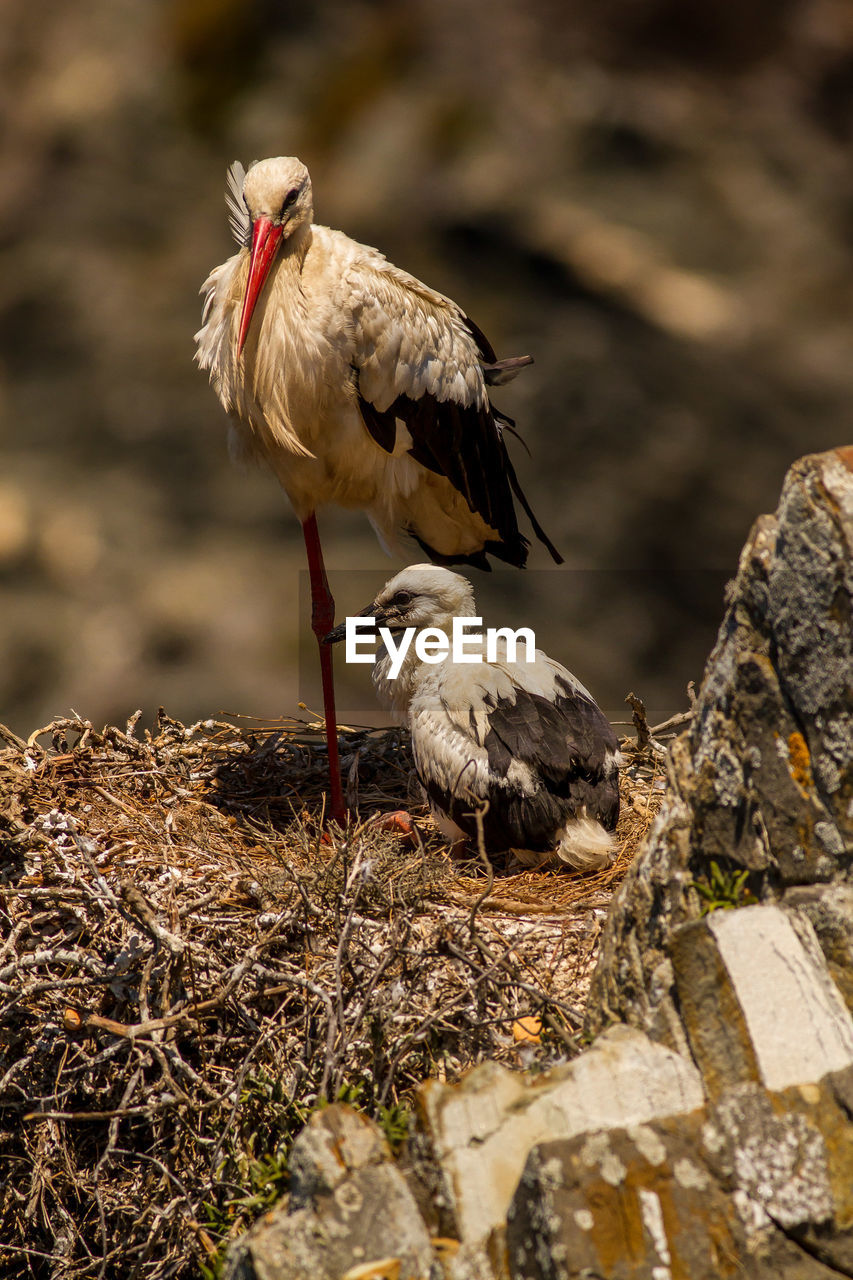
524, 736
358, 385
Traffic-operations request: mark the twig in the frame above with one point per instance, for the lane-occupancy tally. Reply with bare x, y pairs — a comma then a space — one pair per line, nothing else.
144, 912
638, 715
480, 811
674, 722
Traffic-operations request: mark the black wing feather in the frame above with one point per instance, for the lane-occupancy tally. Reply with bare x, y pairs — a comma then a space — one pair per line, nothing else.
382, 426
463, 443
566, 742
484, 347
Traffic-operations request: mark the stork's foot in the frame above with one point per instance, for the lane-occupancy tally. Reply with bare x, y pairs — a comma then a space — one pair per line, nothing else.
400, 823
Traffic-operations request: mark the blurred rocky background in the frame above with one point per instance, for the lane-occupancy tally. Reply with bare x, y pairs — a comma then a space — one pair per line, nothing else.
653, 198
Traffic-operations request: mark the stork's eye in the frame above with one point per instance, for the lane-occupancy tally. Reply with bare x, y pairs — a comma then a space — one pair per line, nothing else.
402, 598
289, 199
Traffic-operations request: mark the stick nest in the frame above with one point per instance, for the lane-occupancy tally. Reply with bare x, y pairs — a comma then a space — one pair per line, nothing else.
190, 964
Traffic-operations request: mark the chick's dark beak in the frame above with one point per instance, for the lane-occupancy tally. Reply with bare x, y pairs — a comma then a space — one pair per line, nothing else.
339, 632
336, 634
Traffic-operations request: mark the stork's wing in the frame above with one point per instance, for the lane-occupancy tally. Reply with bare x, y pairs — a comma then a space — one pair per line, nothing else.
419, 360
566, 739
538, 760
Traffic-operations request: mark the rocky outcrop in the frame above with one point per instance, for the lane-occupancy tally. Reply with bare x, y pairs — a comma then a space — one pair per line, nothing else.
631, 1162
350, 1212
709, 1131
763, 781
757, 1000
481, 1130
752, 1186
605, 1201
829, 909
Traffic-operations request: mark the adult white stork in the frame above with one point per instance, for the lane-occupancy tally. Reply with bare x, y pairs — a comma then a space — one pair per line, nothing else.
524, 736
358, 385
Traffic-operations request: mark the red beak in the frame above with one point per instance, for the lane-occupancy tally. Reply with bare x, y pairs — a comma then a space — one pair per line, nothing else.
266, 238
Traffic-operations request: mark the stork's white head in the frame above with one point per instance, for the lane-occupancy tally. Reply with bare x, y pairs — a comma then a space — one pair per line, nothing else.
280, 191
424, 595
421, 596
277, 194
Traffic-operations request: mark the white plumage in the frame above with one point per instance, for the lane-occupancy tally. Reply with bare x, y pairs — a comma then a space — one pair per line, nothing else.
526, 737
355, 382
358, 385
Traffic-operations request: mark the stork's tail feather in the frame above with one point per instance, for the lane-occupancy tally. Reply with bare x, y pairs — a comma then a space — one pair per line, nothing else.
537, 528
585, 845
514, 553
500, 372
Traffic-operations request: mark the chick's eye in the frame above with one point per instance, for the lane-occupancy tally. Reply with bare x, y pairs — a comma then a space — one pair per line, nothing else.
402, 598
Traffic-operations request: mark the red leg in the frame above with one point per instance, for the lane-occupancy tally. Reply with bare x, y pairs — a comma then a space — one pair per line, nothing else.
322, 621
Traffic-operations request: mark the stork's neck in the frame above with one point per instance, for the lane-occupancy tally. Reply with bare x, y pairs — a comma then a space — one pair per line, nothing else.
295, 247
268, 358
396, 693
